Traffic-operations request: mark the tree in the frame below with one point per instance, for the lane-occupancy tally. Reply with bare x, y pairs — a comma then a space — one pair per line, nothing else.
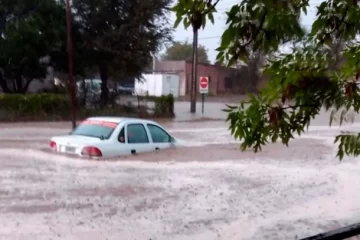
120, 35
81, 57
183, 51
29, 30
303, 81
254, 64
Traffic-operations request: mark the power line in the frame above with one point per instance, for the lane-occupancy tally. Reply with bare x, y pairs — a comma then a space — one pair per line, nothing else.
219, 36
204, 38
200, 38
229, 5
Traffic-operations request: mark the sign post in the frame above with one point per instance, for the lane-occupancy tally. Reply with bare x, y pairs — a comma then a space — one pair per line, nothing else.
203, 89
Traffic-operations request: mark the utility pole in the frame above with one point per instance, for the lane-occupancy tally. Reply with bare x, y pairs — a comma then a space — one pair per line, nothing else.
196, 22
70, 62
194, 71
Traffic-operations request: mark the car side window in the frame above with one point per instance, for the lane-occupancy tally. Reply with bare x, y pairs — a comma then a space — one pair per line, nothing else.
158, 135
121, 137
136, 133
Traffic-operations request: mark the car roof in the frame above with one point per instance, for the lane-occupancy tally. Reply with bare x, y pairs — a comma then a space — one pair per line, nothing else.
120, 119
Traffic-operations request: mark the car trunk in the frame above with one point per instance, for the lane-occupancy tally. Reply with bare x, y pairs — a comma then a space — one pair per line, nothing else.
73, 144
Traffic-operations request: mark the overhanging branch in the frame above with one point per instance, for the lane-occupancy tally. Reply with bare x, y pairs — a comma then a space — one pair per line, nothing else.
342, 20
259, 28
211, 7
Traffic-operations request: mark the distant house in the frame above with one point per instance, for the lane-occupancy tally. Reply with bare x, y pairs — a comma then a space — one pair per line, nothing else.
222, 79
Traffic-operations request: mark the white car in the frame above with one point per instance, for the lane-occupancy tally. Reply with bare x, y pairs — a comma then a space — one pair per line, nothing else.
106, 137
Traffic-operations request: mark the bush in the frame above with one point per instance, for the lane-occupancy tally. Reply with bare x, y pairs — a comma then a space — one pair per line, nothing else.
163, 105
18, 107
56, 107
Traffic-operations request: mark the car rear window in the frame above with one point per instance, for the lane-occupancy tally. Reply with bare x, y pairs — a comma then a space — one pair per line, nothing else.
98, 129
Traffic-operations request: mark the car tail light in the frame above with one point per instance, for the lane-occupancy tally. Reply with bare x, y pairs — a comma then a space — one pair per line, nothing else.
52, 145
91, 152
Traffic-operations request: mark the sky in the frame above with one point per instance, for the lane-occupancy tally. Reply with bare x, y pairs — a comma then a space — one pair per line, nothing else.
210, 36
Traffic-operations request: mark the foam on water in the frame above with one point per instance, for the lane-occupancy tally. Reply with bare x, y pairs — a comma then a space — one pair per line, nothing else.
226, 199
330, 195
196, 137
219, 138
28, 134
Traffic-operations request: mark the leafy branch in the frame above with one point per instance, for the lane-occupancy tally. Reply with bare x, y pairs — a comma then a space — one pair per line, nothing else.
319, 75
194, 12
296, 79
257, 31
211, 7
349, 144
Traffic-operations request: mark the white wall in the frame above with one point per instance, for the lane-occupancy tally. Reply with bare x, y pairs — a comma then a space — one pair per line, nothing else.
158, 85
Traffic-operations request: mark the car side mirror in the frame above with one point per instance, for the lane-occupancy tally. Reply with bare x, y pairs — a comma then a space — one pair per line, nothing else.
172, 139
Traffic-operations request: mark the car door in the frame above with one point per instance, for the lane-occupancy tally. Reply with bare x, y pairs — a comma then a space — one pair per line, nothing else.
160, 138
116, 147
121, 147
137, 138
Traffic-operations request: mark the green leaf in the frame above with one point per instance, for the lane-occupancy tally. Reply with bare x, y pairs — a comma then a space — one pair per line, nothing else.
187, 22
232, 62
304, 9
201, 6
211, 17
175, 8
332, 117
203, 21
178, 21
226, 38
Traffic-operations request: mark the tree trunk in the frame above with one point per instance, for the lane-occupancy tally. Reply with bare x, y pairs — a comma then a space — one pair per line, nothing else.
4, 85
26, 86
84, 91
14, 89
254, 65
104, 82
19, 84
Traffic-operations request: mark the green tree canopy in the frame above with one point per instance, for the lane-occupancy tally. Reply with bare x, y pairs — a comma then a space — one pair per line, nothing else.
121, 35
303, 81
183, 51
29, 31
114, 37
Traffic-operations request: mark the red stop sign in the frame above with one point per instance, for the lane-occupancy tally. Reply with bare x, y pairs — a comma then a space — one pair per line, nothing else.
204, 82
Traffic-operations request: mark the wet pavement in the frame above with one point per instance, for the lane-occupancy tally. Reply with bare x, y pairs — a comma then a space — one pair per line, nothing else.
214, 111
207, 190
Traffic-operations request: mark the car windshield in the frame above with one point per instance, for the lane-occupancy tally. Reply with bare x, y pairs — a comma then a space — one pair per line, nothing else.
97, 129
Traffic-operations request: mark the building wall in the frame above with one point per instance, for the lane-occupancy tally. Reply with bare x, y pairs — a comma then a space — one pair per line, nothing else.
203, 71
177, 67
222, 79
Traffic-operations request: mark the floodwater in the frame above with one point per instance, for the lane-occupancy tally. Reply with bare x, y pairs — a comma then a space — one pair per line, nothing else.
207, 190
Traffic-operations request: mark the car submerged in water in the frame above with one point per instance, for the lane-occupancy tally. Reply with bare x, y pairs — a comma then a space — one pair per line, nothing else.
106, 137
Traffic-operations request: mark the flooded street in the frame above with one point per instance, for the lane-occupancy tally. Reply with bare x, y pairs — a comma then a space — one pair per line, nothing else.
207, 190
